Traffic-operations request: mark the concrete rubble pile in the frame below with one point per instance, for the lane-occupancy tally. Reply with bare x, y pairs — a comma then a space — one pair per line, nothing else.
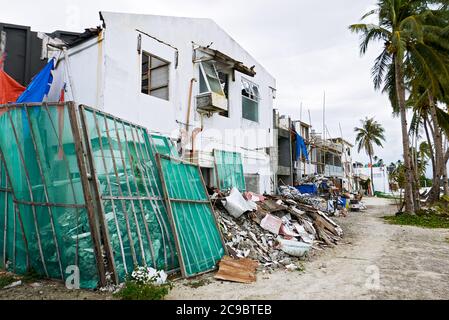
277, 231
314, 201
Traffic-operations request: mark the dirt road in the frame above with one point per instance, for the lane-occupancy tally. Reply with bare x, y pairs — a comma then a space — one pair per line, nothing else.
375, 261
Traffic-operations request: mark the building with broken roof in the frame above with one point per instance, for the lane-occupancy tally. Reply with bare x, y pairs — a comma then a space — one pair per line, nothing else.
185, 78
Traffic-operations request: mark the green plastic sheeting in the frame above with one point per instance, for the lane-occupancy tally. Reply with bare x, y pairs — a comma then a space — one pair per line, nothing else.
131, 196
163, 145
198, 238
9, 228
49, 230
229, 168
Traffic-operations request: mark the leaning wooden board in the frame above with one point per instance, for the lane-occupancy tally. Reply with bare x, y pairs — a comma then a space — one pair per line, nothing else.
241, 270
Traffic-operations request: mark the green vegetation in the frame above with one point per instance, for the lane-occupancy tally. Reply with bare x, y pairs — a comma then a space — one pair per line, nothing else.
424, 219
31, 276
145, 283
6, 280
133, 290
413, 70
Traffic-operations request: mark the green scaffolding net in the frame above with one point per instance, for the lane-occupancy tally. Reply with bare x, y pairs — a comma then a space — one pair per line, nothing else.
197, 234
229, 169
131, 196
164, 146
10, 231
76, 183
48, 230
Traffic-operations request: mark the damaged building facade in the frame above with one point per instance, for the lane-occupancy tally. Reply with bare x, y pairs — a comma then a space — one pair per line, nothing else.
184, 78
106, 155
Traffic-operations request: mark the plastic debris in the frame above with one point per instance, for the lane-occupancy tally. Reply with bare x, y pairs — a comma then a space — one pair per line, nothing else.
236, 205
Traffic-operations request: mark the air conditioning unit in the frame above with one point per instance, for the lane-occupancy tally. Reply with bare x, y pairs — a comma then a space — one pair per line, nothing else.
211, 102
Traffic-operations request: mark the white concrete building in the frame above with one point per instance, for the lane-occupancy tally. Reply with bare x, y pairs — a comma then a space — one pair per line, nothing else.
380, 176
150, 69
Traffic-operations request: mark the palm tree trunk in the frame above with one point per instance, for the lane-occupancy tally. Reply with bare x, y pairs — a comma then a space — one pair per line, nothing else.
433, 193
445, 181
372, 175
438, 143
400, 90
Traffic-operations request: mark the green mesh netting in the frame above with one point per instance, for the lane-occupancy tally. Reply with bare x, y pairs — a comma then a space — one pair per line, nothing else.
38, 150
164, 146
229, 170
196, 229
132, 200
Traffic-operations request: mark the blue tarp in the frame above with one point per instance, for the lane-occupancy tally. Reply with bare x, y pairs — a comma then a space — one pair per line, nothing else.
301, 148
39, 86
307, 188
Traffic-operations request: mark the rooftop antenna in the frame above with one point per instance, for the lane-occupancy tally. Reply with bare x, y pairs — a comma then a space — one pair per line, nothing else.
310, 119
324, 117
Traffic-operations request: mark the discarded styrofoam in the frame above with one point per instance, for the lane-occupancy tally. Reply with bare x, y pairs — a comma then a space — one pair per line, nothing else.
236, 205
294, 248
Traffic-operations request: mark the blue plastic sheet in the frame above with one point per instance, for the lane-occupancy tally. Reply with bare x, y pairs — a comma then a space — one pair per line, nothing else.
301, 148
39, 86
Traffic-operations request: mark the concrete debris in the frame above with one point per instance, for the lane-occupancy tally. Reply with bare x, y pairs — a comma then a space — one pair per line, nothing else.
280, 232
272, 224
294, 194
13, 285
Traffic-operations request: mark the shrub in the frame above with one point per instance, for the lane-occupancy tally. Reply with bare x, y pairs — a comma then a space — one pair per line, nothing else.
145, 284
133, 290
6, 280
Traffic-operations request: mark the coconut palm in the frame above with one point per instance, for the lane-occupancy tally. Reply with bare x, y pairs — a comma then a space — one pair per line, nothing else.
369, 134
405, 28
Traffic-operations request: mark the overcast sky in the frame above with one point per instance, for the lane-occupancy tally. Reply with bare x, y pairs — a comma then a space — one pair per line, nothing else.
304, 44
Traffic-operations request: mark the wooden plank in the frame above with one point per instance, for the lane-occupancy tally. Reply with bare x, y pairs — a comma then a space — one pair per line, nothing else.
237, 270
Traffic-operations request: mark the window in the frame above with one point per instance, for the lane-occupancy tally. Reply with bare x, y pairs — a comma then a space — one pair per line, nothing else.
209, 79
250, 101
155, 76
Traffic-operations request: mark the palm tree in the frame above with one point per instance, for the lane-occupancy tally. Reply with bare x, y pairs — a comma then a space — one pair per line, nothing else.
371, 132
404, 26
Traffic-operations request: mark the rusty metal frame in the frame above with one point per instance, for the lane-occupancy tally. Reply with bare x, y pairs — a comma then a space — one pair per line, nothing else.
28, 182
95, 186
147, 230
155, 207
16, 212
80, 155
170, 200
123, 144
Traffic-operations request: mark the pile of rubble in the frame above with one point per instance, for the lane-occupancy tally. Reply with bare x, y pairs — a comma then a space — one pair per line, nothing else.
277, 231
314, 201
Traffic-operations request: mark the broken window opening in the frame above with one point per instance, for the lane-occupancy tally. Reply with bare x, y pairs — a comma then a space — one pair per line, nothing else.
250, 100
224, 81
209, 79
155, 76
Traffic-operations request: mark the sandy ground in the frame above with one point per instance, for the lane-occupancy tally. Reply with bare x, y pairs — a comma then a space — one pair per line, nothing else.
375, 260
